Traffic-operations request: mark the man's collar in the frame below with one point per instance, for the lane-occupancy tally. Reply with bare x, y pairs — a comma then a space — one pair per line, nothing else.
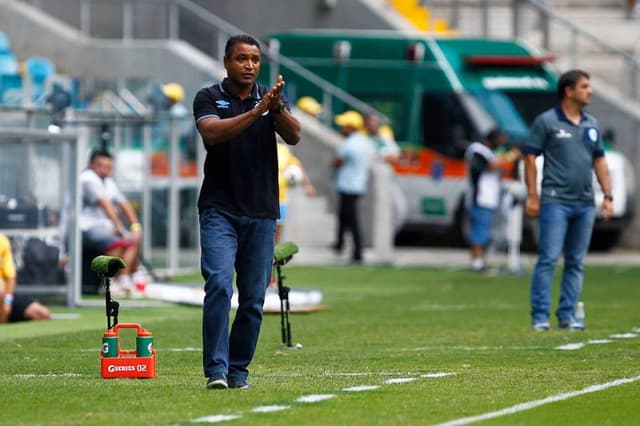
226, 89
563, 117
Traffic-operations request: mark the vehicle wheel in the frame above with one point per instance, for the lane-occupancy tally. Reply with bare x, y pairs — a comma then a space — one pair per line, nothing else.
460, 232
605, 239
530, 235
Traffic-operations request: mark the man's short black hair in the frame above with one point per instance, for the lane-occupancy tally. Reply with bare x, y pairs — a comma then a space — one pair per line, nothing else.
236, 39
569, 79
99, 153
494, 135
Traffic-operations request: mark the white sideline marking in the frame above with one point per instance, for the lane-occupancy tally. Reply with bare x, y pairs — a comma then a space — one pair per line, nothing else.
538, 402
217, 418
32, 375
623, 336
363, 373
575, 346
270, 408
315, 398
399, 380
570, 347
466, 348
333, 374
436, 375
361, 388
64, 316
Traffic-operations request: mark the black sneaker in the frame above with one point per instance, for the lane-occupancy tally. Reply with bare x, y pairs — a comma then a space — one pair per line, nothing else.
217, 383
540, 325
571, 325
239, 384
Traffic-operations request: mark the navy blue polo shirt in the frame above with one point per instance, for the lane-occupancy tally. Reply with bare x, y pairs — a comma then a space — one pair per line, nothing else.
569, 151
241, 174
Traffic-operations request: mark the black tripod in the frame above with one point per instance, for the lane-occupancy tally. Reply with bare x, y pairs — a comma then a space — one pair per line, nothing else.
112, 306
283, 293
106, 267
283, 253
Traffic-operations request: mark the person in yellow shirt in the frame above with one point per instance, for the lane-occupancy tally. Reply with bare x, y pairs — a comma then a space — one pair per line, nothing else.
14, 308
290, 172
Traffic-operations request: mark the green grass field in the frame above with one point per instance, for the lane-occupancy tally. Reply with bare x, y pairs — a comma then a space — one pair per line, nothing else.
376, 355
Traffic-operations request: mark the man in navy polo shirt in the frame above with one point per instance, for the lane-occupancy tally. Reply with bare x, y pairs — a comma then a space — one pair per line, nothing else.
571, 143
238, 206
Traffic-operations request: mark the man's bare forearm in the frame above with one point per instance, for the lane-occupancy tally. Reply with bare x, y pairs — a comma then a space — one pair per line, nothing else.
215, 130
287, 127
531, 175
601, 169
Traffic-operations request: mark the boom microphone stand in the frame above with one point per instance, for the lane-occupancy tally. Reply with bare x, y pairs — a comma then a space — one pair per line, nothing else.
283, 253
106, 267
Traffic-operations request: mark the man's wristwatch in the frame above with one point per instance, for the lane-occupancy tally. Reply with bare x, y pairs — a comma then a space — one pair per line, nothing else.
608, 197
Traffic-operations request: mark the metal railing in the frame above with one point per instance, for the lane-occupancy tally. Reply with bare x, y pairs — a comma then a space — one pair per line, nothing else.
156, 164
578, 36
536, 23
170, 14
44, 168
543, 27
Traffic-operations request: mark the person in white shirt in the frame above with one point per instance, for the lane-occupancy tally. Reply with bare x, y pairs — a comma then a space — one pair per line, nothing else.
484, 190
352, 165
104, 208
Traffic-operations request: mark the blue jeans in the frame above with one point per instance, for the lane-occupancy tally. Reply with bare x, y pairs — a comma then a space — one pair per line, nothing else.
568, 227
245, 244
481, 221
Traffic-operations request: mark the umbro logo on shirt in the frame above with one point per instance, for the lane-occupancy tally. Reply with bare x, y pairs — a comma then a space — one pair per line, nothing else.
222, 104
563, 134
256, 106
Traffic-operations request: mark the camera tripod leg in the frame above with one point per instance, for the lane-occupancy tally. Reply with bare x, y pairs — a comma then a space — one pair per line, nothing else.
285, 307
111, 305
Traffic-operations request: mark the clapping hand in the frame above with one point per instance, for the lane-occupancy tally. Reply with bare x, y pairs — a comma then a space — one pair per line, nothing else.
272, 99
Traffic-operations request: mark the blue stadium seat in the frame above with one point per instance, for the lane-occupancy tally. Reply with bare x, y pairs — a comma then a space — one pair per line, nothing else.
8, 63
4, 43
10, 80
39, 70
10, 89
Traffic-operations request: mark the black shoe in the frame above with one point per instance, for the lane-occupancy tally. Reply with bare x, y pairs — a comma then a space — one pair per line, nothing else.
337, 249
217, 383
571, 325
541, 325
239, 384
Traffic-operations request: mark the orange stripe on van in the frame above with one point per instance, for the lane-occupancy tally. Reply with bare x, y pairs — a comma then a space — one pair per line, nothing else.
425, 162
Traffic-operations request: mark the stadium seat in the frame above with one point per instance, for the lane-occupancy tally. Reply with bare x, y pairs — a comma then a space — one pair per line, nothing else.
39, 70
10, 80
4, 43
8, 63
10, 89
